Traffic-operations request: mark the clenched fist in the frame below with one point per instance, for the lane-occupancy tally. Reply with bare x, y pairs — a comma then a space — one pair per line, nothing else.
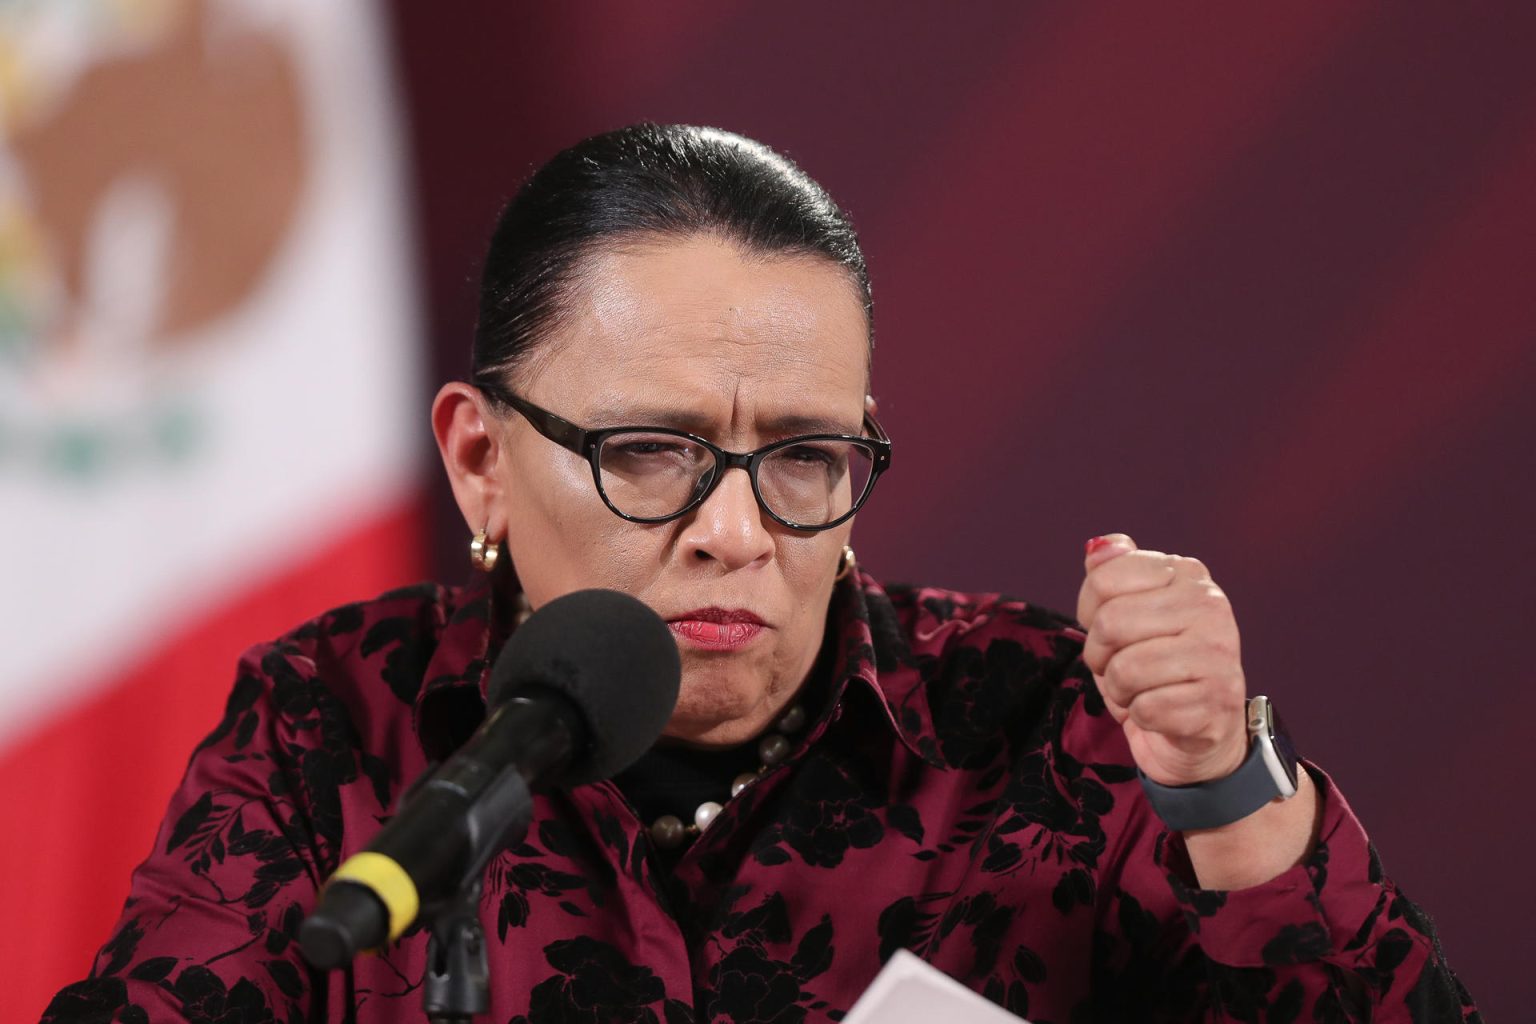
1163, 647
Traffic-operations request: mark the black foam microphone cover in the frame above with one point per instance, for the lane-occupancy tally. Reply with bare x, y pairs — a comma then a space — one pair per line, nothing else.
613, 657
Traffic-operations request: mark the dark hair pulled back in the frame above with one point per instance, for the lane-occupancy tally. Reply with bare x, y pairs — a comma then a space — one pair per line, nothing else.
646, 179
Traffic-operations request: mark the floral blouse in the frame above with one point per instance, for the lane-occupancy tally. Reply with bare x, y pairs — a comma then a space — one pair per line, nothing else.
962, 794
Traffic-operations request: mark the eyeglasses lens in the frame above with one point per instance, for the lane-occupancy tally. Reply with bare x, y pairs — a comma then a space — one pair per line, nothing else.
652, 476
814, 482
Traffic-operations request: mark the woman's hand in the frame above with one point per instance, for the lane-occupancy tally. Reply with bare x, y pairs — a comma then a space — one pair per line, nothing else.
1163, 647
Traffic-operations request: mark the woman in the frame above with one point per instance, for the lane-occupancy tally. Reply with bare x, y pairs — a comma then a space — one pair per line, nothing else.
849, 769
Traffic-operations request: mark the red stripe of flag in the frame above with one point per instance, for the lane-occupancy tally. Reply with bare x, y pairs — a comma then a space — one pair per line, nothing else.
83, 796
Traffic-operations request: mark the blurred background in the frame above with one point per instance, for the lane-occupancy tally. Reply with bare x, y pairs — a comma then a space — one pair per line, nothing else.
1252, 284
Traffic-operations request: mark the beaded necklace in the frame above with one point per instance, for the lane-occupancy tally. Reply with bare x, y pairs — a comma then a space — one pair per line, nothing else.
669, 831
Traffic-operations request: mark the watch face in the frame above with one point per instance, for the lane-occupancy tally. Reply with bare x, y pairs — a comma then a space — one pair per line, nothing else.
1281, 738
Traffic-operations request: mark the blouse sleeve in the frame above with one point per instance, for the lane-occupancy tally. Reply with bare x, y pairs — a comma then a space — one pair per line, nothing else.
1339, 938
1332, 939
209, 930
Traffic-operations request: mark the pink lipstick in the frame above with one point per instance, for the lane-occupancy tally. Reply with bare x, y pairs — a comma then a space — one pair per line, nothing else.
718, 629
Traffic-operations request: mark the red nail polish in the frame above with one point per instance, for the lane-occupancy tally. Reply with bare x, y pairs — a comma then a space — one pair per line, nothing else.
1094, 544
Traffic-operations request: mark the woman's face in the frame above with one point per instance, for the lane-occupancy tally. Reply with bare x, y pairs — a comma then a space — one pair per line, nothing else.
741, 350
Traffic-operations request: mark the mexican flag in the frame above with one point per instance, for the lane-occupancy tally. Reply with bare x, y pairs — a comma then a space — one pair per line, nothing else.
212, 423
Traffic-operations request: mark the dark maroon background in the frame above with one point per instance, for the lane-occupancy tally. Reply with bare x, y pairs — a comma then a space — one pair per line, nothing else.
1257, 288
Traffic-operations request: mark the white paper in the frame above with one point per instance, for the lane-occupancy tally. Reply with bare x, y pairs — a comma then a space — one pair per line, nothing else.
910, 991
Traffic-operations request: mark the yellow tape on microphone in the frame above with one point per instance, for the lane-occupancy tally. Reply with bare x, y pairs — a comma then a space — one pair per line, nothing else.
389, 883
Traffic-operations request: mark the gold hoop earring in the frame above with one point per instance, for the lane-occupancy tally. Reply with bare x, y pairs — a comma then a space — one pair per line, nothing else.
846, 564
483, 552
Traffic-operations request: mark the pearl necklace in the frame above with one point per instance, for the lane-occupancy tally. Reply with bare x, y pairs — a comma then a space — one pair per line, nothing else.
669, 832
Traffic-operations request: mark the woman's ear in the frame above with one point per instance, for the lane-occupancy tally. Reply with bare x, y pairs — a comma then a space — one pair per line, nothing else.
471, 450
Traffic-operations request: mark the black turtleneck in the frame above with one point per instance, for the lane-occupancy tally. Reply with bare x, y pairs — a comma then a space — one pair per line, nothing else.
674, 779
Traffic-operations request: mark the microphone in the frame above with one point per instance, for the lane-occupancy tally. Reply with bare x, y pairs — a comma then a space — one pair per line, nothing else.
581, 690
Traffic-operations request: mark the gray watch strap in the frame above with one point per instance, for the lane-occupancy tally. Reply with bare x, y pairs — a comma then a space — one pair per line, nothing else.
1216, 803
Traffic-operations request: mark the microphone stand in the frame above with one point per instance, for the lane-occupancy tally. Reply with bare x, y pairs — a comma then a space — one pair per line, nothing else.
457, 985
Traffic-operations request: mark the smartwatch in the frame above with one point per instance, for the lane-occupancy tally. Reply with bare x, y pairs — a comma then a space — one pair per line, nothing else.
1267, 773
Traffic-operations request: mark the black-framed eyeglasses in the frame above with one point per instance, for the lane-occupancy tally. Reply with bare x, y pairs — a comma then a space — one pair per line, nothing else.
656, 474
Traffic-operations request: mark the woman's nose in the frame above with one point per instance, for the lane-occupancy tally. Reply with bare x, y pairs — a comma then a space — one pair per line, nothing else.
729, 527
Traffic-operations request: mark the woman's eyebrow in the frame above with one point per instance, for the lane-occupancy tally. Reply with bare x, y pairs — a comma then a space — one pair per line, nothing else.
806, 424
694, 422
673, 417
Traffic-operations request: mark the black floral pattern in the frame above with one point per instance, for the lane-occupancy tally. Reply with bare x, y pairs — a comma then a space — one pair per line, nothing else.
834, 815
751, 984
596, 984
964, 795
